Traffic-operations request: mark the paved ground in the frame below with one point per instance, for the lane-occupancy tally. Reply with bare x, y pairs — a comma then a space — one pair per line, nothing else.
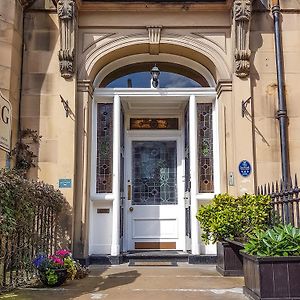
142, 283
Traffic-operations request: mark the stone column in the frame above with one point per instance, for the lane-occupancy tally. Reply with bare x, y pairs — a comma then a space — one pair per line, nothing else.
194, 174
115, 244
82, 169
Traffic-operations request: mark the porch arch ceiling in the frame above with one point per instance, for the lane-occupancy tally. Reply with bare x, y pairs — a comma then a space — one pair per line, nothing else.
169, 63
205, 53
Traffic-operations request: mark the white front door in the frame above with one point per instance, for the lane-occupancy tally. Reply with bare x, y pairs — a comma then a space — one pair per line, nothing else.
155, 208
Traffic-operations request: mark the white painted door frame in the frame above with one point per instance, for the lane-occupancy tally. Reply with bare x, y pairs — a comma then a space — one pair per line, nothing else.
193, 96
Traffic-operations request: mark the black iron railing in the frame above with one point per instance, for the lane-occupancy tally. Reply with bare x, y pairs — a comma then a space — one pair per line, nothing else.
285, 201
19, 247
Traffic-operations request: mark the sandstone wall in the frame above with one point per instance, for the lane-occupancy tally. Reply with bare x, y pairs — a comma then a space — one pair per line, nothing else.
11, 13
264, 89
42, 109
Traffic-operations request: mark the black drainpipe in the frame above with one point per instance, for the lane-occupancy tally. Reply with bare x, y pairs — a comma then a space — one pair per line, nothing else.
282, 110
21, 80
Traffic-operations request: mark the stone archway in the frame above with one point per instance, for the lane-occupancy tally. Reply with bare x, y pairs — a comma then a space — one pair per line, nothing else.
106, 53
201, 51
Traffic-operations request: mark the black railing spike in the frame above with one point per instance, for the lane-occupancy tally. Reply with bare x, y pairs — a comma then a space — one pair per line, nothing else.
296, 181
258, 190
277, 186
269, 189
281, 185
290, 183
273, 188
265, 189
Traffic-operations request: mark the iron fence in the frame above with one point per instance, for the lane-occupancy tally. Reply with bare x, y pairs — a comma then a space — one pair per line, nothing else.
19, 247
285, 201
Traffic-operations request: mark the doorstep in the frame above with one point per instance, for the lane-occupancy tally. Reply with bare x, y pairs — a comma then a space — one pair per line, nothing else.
166, 257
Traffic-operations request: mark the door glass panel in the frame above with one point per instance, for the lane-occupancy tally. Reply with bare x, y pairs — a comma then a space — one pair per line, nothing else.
154, 173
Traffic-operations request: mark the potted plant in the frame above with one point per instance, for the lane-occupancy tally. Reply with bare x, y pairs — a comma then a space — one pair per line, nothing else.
229, 221
53, 270
272, 263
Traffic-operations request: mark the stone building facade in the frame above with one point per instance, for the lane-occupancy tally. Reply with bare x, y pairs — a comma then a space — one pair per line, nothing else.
104, 153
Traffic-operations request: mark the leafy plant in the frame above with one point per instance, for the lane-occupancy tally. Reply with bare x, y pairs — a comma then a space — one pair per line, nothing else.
62, 259
281, 240
26, 206
23, 149
229, 217
52, 277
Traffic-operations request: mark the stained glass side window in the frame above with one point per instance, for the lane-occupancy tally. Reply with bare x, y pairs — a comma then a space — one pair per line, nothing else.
205, 148
104, 147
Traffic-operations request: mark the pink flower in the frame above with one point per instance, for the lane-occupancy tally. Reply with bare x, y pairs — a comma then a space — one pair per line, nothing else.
56, 260
62, 253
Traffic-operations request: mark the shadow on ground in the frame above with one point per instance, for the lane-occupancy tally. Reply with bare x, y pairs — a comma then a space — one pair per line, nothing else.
95, 282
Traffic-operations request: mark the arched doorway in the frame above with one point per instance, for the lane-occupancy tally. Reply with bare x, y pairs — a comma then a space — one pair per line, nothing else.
154, 156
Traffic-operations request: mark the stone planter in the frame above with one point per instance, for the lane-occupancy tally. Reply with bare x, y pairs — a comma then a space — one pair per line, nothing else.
272, 278
229, 259
62, 277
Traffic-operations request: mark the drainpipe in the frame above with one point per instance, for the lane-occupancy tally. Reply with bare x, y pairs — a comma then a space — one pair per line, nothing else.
282, 110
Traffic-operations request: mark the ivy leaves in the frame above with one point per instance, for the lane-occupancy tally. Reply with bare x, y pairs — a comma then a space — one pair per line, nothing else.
20, 199
281, 240
229, 217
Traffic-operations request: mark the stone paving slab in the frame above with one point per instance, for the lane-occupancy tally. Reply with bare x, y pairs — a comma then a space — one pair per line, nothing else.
142, 283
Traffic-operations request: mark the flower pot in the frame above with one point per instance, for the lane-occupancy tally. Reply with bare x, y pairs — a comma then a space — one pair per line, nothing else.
62, 276
229, 259
271, 278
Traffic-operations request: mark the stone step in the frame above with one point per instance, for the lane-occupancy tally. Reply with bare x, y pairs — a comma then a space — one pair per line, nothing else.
169, 257
156, 256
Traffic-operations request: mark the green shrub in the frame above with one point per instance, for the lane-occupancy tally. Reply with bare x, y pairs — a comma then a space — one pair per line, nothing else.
234, 218
281, 240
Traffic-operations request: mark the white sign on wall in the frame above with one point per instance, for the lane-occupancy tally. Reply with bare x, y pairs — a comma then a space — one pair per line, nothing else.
5, 124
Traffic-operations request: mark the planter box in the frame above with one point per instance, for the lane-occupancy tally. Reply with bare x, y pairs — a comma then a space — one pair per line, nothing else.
272, 278
229, 259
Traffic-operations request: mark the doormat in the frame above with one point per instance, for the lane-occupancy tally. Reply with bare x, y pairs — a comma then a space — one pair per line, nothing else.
152, 264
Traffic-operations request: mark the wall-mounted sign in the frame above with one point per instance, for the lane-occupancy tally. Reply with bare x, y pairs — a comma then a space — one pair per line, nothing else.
65, 183
245, 168
5, 124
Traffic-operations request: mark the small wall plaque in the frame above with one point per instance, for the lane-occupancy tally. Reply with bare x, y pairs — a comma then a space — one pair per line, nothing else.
65, 183
103, 210
245, 168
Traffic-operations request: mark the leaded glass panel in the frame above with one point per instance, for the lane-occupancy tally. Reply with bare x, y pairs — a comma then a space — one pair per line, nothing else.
154, 173
205, 148
104, 147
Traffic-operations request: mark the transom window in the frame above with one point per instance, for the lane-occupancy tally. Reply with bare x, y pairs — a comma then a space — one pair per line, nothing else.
138, 76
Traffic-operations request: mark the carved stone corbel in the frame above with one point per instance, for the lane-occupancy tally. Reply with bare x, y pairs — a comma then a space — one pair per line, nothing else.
242, 10
67, 10
26, 3
154, 39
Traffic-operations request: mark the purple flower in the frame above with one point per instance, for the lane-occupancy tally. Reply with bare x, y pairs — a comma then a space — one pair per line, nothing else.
39, 260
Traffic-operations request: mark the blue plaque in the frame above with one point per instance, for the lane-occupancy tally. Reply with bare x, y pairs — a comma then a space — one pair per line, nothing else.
65, 183
245, 168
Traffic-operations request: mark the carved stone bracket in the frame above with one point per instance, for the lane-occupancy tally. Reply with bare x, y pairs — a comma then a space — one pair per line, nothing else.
26, 3
67, 12
154, 39
242, 10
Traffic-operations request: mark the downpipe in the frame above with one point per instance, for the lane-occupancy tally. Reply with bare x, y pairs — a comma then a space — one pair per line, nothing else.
282, 115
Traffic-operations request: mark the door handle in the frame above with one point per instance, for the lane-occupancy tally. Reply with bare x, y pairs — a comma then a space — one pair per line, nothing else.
131, 209
129, 190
